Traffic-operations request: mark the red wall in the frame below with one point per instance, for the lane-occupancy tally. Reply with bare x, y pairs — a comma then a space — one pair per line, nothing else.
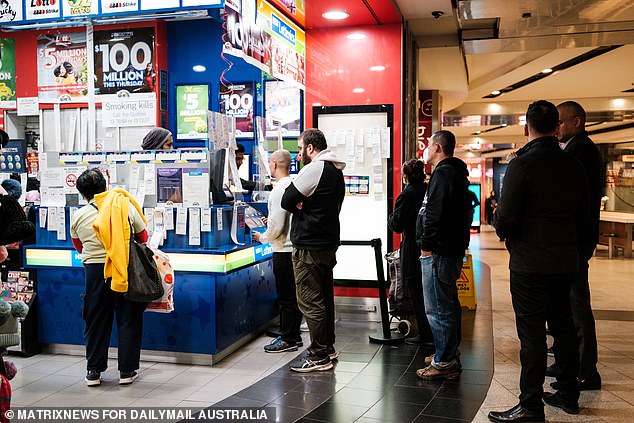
335, 65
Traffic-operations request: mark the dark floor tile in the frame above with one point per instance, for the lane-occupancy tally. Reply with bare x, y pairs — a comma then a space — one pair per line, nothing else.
463, 391
361, 347
452, 408
361, 397
384, 369
236, 401
304, 400
355, 357
410, 379
316, 387
284, 414
349, 366
305, 420
478, 362
411, 395
475, 377
364, 419
335, 412
375, 383
261, 393
393, 411
435, 419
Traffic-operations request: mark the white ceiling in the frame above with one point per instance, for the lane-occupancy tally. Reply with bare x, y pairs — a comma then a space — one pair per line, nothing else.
556, 31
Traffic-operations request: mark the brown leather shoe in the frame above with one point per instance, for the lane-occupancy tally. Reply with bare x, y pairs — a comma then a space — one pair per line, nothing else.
432, 373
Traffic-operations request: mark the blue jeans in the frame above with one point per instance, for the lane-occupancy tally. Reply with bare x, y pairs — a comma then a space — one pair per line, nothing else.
442, 306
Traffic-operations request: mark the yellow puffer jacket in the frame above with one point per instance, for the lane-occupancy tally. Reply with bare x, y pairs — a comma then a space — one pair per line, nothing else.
113, 230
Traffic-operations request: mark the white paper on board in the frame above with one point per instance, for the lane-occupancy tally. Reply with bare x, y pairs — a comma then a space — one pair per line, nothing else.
205, 220
169, 219
43, 214
61, 224
219, 223
194, 226
181, 221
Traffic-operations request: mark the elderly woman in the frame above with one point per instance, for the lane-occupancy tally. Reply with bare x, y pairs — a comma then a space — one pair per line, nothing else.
158, 139
104, 294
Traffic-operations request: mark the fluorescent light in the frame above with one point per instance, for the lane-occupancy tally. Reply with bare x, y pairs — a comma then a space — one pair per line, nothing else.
356, 36
378, 68
358, 90
335, 15
316, 104
618, 102
496, 92
199, 68
547, 70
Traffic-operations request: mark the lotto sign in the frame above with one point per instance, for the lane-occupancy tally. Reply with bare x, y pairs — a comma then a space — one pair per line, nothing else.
11, 11
238, 103
108, 6
73, 8
124, 62
466, 284
42, 9
192, 103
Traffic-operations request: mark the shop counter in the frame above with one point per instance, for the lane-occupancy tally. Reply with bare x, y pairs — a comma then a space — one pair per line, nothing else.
223, 297
619, 225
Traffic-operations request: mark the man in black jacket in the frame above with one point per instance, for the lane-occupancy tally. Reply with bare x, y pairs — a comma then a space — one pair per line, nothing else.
442, 234
543, 206
315, 198
575, 141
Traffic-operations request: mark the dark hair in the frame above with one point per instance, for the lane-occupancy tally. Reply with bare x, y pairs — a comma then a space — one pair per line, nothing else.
4, 138
240, 148
57, 70
542, 116
314, 137
575, 107
68, 66
446, 140
415, 171
91, 182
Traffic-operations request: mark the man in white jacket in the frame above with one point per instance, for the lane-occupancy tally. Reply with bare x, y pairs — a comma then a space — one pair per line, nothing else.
277, 234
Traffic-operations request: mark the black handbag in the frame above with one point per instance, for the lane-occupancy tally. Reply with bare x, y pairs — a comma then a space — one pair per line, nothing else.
14, 225
144, 281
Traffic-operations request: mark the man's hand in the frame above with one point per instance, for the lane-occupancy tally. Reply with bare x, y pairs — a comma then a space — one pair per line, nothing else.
424, 253
255, 235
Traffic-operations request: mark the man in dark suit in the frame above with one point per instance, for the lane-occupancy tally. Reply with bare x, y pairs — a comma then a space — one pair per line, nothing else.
575, 141
543, 205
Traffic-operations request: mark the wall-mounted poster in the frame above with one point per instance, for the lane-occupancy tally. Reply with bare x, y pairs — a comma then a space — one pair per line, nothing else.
282, 107
10, 11
295, 8
124, 62
41, 9
75, 8
7, 69
192, 103
61, 67
238, 103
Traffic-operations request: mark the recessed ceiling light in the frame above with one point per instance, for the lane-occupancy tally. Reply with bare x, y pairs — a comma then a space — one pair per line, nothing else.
356, 36
505, 125
378, 68
618, 102
495, 92
547, 70
358, 90
316, 104
478, 132
199, 68
335, 15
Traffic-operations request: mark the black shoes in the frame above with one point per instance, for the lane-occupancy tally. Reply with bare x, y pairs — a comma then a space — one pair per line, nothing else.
552, 370
517, 414
592, 383
93, 378
556, 400
417, 340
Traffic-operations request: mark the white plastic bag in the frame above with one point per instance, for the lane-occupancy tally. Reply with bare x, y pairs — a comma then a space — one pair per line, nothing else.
165, 304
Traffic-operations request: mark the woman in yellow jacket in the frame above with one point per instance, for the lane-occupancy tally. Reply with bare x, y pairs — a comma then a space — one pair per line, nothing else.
100, 231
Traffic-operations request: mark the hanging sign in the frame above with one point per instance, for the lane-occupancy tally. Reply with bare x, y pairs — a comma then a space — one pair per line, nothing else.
11, 11
128, 112
42, 9
295, 8
61, 67
238, 103
118, 7
159, 4
76, 8
124, 62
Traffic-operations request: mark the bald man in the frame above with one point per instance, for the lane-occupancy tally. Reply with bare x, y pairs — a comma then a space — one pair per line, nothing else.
277, 234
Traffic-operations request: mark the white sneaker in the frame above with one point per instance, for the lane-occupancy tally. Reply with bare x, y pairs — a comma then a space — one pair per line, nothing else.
126, 378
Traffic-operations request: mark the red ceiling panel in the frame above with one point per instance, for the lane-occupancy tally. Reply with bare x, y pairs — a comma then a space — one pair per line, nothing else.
362, 12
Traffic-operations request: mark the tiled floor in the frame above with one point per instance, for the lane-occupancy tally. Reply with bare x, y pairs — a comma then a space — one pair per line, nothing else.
371, 383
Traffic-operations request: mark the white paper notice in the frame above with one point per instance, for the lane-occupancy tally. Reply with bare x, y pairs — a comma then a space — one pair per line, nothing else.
43, 215
350, 136
195, 187
181, 221
350, 149
148, 212
360, 156
70, 178
378, 174
52, 197
28, 106
52, 177
194, 226
52, 219
205, 220
376, 155
350, 164
219, 218
385, 143
358, 137
72, 211
169, 219
149, 176
378, 192
61, 224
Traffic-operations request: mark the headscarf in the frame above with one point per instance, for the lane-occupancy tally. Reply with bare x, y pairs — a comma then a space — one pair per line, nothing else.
155, 139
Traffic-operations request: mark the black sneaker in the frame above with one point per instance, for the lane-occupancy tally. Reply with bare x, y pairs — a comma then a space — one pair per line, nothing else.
332, 353
93, 378
313, 364
126, 378
279, 345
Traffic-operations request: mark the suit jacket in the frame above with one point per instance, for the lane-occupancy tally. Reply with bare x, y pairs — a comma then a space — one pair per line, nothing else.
542, 208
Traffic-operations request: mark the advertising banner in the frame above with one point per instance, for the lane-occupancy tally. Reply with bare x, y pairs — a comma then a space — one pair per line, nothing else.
192, 103
128, 112
423, 132
76, 8
7, 69
238, 103
270, 42
124, 62
42, 9
118, 7
282, 107
11, 11
61, 67
295, 8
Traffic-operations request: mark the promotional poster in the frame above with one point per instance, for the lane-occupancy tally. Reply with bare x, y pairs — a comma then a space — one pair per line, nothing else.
76, 8
282, 107
238, 103
7, 69
124, 62
192, 103
61, 67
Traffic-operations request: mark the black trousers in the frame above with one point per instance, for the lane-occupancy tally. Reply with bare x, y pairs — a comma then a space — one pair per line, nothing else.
538, 299
584, 323
290, 316
99, 306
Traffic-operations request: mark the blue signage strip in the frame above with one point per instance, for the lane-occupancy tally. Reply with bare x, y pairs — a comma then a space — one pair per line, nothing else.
283, 29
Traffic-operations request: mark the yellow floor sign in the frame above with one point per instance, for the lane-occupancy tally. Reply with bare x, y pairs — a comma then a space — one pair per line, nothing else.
466, 284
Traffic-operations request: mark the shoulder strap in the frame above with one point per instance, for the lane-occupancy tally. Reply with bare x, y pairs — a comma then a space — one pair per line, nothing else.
95, 206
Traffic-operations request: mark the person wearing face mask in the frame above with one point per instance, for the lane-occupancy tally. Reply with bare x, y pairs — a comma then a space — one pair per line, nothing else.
442, 235
158, 139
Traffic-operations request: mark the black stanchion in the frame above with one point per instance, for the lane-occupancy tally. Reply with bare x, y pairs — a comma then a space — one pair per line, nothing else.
385, 336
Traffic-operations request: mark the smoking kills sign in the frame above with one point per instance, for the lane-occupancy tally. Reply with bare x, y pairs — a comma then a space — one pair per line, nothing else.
71, 180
